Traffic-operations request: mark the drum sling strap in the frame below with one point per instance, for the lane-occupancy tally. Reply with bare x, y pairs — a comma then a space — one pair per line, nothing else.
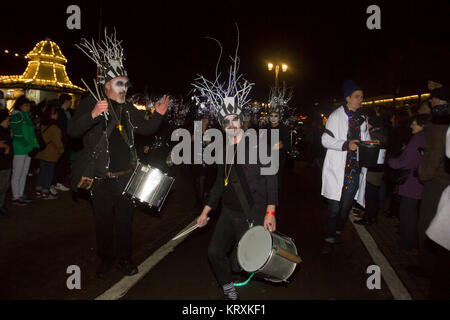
243, 193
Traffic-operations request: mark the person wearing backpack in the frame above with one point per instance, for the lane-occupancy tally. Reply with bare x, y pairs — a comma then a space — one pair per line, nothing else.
24, 140
48, 157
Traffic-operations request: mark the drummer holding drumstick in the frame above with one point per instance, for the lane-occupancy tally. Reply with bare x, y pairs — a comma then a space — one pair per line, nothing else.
107, 122
233, 222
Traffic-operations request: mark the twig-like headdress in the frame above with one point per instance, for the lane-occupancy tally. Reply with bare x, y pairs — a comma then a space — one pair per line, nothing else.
108, 56
223, 98
279, 99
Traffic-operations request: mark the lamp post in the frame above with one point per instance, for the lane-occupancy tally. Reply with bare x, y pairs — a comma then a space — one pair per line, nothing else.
284, 68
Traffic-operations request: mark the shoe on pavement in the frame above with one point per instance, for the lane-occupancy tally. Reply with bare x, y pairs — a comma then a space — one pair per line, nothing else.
49, 196
327, 248
61, 187
18, 202
53, 190
38, 194
127, 267
363, 222
25, 199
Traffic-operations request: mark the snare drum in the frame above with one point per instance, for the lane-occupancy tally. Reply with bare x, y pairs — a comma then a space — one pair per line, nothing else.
149, 185
259, 252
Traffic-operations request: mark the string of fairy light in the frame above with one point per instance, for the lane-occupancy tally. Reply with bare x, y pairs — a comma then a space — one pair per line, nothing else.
39, 57
6, 52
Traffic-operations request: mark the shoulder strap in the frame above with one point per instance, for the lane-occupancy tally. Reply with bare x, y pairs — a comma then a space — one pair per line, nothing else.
243, 193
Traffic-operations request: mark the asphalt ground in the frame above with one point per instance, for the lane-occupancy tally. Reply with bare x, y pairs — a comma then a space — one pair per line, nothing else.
40, 241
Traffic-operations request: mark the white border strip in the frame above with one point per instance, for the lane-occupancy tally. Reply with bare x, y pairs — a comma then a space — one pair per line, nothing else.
394, 283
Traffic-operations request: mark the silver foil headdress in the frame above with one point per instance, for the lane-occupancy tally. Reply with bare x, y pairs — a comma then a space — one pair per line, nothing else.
279, 99
222, 98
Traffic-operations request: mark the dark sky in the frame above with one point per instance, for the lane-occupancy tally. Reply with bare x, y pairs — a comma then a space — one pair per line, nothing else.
323, 43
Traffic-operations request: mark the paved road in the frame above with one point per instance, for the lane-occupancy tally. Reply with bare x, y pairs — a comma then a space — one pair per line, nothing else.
186, 274
40, 241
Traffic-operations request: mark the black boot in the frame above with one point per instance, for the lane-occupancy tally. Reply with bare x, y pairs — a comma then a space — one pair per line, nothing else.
364, 222
128, 267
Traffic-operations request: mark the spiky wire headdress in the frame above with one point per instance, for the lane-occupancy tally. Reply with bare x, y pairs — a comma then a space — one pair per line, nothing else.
279, 99
108, 56
223, 98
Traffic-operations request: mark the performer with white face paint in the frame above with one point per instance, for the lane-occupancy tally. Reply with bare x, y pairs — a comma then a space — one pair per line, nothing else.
107, 123
248, 198
278, 107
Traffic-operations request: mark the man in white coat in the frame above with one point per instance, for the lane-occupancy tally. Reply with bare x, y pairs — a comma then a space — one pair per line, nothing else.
343, 180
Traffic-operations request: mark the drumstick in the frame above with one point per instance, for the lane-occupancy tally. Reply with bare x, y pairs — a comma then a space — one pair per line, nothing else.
290, 256
187, 231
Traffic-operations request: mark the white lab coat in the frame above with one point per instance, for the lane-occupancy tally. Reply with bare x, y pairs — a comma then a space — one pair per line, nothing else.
439, 229
334, 165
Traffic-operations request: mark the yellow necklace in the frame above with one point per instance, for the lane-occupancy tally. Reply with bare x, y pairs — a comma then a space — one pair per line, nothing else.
229, 171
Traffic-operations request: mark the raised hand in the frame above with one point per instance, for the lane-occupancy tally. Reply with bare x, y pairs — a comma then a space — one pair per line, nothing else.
100, 107
161, 106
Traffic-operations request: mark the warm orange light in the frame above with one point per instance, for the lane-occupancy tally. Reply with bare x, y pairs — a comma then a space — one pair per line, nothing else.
270, 66
284, 67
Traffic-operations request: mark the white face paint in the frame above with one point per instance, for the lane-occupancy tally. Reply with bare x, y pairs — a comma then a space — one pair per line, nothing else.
274, 118
232, 125
120, 87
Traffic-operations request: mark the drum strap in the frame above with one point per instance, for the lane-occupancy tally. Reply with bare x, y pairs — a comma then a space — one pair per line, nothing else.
243, 193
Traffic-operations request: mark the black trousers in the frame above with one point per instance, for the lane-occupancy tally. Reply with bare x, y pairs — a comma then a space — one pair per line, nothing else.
229, 230
431, 195
62, 167
409, 217
338, 211
372, 201
113, 216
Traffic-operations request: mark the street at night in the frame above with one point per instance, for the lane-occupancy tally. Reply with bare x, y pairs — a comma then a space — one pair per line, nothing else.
222, 159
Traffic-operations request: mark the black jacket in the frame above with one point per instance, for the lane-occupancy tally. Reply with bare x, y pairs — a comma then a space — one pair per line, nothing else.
6, 159
82, 124
263, 188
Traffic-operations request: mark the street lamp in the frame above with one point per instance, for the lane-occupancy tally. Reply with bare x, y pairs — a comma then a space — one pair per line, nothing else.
284, 68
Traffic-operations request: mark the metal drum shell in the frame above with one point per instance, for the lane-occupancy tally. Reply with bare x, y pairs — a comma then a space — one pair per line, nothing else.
149, 185
275, 268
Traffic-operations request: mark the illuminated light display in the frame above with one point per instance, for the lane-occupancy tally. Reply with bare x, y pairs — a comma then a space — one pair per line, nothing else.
405, 98
45, 70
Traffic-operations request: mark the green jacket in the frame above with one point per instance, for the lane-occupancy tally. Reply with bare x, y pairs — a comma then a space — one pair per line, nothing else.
24, 136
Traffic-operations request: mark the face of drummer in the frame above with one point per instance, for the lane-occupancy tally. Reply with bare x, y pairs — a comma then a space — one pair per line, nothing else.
232, 125
355, 99
116, 89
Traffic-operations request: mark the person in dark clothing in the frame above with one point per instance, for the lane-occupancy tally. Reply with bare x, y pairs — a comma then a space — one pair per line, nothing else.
204, 174
374, 175
434, 173
233, 221
410, 192
399, 136
107, 127
6, 159
63, 164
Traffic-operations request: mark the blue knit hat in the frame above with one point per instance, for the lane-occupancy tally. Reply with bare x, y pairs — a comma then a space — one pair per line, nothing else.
349, 87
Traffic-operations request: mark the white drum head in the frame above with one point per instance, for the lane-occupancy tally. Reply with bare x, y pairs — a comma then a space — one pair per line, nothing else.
254, 249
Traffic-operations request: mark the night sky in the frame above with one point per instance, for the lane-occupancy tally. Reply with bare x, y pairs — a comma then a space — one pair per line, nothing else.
322, 43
